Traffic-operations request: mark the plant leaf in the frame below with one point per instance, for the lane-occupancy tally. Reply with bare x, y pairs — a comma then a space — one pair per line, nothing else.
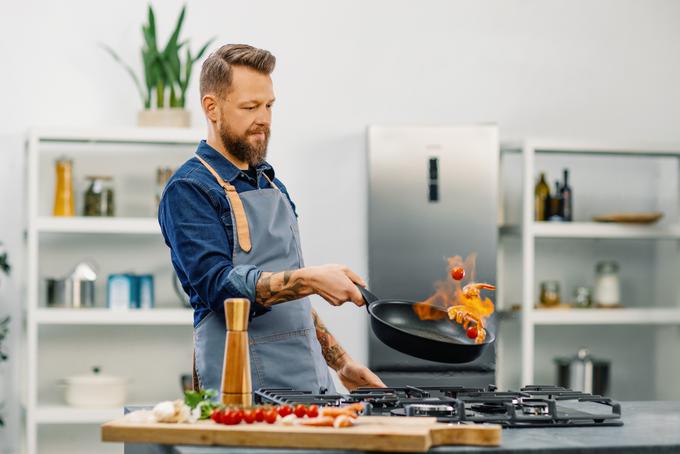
172, 41
202, 51
127, 68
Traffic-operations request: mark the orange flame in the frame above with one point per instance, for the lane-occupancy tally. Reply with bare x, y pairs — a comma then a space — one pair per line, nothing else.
464, 304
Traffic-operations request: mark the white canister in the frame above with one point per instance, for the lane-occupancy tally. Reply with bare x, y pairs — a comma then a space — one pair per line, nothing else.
607, 286
95, 390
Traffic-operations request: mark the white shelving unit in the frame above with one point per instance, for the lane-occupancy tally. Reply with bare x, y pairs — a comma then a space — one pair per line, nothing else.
529, 231
91, 144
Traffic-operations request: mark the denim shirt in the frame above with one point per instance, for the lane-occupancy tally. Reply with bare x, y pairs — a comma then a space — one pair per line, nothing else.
195, 219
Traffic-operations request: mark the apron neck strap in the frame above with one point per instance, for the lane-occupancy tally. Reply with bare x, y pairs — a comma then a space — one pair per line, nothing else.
271, 182
242, 228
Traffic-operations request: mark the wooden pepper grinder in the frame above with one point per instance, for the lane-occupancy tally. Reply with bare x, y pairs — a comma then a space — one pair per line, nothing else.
237, 388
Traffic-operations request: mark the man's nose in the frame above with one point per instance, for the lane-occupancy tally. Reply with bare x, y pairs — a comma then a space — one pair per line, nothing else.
264, 117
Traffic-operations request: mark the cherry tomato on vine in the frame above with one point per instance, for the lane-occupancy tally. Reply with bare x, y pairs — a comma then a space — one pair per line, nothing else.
472, 332
312, 411
300, 411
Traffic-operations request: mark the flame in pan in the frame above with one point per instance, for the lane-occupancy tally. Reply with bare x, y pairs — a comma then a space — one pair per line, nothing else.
461, 300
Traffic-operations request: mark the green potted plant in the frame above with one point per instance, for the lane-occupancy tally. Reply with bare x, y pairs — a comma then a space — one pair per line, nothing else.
167, 73
4, 323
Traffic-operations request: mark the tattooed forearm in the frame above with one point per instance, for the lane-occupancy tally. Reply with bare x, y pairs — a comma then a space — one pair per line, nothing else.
274, 288
333, 353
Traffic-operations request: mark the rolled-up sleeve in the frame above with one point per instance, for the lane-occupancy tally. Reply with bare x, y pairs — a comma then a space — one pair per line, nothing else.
190, 221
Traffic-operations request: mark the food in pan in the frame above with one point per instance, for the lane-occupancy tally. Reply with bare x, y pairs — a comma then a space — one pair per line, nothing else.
464, 304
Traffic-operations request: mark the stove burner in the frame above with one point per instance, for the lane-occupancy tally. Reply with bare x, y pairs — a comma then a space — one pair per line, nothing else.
531, 406
535, 408
429, 410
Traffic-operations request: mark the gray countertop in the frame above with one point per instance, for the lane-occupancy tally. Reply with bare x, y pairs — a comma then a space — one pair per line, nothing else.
649, 427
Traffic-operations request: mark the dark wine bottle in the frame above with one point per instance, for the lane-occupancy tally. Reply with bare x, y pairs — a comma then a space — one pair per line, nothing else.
567, 198
556, 212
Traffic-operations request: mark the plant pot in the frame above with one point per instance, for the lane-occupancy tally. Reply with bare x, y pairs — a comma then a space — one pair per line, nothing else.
173, 117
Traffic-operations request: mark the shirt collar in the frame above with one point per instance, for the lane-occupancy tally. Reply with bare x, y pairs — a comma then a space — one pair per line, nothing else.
224, 167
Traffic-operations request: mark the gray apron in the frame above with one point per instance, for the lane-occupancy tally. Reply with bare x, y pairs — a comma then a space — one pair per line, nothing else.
284, 350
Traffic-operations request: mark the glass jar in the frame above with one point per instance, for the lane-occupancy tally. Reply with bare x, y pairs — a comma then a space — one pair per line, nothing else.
550, 293
63, 191
607, 286
583, 297
163, 174
99, 197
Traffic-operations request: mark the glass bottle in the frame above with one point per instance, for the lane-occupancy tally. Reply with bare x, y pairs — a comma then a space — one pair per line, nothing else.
556, 213
541, 196
63, 192
566, 194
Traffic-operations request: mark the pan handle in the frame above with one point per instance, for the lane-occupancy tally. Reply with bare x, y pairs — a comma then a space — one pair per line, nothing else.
367, 295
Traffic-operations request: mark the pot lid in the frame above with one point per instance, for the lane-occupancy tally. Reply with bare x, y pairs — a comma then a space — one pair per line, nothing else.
96, 377
582, 356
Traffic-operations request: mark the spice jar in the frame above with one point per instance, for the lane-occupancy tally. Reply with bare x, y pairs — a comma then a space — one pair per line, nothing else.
99, 196
63, 192
583, 297
550, 293
607, 286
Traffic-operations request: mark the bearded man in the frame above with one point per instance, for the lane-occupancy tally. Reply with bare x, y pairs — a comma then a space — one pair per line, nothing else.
232, 230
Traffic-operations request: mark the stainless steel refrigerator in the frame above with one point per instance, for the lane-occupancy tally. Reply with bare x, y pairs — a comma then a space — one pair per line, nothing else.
433, 194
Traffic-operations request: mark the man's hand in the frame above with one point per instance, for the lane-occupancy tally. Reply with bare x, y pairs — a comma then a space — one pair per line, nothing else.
354, 375
335, 283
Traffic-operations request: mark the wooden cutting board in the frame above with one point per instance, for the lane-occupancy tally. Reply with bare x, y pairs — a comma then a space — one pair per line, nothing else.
371, 433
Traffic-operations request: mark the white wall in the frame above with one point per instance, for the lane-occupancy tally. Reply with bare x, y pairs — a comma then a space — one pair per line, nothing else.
567, 68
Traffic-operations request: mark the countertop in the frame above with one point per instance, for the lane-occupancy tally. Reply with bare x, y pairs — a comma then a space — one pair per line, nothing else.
650, 426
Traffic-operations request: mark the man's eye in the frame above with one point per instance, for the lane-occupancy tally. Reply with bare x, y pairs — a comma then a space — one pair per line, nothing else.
250, 108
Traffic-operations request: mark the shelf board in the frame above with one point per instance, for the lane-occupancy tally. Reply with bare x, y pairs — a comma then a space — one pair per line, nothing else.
624, 316
64, 414
100, 316
82, 224
121, 135
595, 148
594, 230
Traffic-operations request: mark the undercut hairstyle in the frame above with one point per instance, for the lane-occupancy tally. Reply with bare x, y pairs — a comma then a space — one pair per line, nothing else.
216, 72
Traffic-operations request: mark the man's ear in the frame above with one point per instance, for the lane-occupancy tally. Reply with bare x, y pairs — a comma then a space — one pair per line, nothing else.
210, 107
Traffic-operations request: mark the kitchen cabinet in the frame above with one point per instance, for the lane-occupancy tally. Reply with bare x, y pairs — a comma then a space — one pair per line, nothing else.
151, 347
613, 177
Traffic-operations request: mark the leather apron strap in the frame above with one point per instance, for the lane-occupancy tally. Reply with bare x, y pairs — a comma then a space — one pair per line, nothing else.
242, 229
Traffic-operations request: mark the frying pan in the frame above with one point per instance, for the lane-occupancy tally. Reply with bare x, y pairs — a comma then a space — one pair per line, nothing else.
397, 325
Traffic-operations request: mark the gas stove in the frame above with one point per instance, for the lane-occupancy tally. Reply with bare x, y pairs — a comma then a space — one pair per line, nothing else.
531, 406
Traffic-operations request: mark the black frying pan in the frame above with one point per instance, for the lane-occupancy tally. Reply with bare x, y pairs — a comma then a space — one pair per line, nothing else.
396, 325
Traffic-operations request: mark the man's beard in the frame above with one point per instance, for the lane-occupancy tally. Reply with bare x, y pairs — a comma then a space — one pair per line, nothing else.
241, 149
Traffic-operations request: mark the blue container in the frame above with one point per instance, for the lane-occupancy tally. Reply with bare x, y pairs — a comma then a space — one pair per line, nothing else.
145, 287
130, 291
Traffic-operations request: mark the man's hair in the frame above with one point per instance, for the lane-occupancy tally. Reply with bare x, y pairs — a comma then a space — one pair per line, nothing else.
216, 73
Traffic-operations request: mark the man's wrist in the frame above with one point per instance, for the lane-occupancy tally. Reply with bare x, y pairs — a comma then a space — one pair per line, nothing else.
341, 361
306, 278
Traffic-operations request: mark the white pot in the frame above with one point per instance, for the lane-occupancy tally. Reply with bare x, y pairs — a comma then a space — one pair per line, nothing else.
172, 117
95, 391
